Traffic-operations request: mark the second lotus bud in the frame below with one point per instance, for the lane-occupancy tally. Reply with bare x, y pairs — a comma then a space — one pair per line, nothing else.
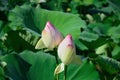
66, 50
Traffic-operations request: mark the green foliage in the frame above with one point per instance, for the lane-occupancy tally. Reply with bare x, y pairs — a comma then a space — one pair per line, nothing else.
116, 52
114, 33
41, 60
30, 18
20, 40
84, 72
93, 24
108, 64
43, 65
115, 3
2, 74
16, 67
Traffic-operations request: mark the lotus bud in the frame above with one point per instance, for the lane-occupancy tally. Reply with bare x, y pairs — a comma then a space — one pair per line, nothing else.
51, 37
66, 50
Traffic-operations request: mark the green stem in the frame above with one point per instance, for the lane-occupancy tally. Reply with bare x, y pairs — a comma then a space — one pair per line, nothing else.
56, 77
56, 57
57, 62
65, 74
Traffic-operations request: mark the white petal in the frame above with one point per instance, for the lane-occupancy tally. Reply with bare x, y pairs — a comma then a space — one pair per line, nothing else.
59, 68
47, 39
40, 45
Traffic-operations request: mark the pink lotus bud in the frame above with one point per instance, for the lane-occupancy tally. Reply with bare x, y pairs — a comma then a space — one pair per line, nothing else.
51, 36
66, 50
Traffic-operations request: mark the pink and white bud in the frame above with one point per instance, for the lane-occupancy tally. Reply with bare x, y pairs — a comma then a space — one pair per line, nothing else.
51, 36
66, 50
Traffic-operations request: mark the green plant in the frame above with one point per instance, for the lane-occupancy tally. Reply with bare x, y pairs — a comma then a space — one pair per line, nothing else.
93, 24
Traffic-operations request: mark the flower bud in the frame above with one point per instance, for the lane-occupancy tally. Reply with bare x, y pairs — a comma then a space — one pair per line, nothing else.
51, 37
66, 50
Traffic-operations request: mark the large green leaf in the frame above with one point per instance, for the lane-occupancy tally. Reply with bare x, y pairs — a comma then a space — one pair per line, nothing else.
43, 65
22, 17
21, 40
86, 71
64, 22
35, 19
109, 65
16, 67
99, 28
92, 40
114, 33
116, 52
88, 36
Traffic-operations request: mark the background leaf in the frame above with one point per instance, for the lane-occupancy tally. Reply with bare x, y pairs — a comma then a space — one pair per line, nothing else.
114, 33
116, 52
43, 62
35, 19
21, 40
2, 74
16, 67
43, 65
109, 65
86, 71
